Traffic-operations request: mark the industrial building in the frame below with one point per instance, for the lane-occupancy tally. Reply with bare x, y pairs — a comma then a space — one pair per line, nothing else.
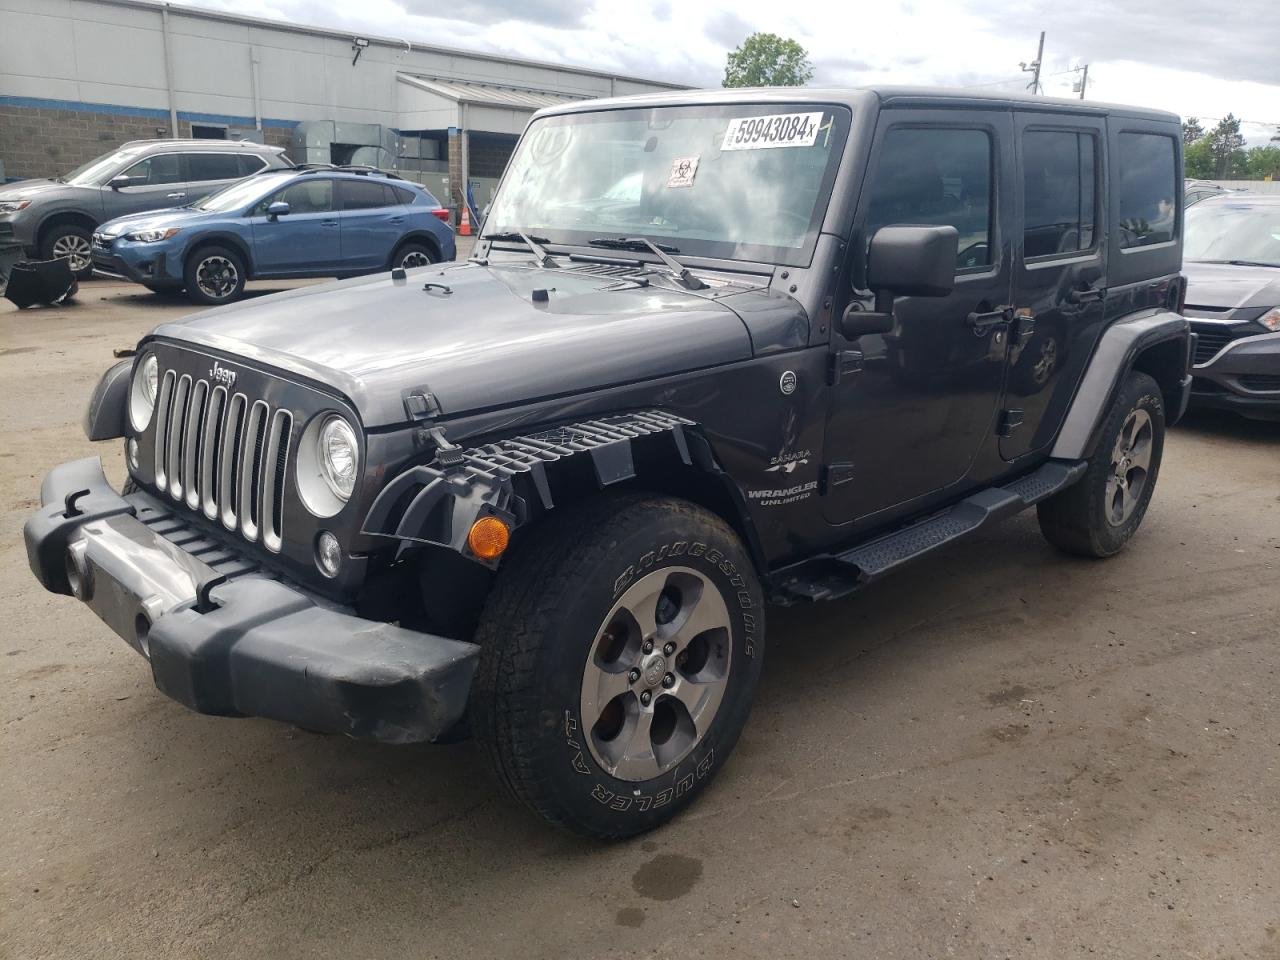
79, 77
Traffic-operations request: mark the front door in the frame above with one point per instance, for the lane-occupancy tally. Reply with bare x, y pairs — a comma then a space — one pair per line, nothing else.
1059, 277
154, 183
304, 241
910, 409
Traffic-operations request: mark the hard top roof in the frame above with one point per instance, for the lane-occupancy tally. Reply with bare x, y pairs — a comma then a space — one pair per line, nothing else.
854, 97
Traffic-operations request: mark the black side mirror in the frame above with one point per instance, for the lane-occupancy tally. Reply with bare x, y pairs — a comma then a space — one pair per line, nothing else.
903, 261
115, 183
910, 261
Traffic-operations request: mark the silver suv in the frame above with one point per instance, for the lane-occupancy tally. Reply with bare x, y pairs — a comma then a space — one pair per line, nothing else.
56, 218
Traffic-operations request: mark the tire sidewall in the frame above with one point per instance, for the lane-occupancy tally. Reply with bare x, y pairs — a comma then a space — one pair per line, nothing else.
590, 794
192, 265
1138, 392
85, 272
397, 258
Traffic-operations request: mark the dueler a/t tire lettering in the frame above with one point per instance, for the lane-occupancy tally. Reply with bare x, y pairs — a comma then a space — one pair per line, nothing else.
540, 627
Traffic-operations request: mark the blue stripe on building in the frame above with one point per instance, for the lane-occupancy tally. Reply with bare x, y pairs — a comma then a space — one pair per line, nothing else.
148, 112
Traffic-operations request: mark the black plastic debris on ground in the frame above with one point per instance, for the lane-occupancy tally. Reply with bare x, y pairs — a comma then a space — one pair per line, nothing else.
49, 282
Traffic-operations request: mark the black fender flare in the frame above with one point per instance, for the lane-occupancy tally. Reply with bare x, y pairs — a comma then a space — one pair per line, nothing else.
1128, 344
225, 239
512, 478
107, 414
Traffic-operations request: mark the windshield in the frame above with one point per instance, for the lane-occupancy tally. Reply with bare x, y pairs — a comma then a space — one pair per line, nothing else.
1226, 230
243, 193
95, 172
738, 182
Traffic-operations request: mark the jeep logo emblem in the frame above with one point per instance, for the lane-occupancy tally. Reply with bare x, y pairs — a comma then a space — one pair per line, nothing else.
220, 374
655, 671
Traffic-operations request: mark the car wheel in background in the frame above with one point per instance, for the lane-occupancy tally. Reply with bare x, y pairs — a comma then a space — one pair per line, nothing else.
410, 255
1096, 516
214, 275
70, 242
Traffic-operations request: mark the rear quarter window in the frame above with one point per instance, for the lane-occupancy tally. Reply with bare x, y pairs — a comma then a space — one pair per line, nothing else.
1148, 189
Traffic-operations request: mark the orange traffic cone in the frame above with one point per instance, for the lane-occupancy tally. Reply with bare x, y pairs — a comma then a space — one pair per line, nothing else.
464, 228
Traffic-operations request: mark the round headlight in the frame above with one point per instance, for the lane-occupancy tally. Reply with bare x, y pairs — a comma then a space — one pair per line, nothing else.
339, 456
142, 392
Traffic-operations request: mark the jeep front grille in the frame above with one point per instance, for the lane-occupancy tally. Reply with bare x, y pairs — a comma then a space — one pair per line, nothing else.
223, 454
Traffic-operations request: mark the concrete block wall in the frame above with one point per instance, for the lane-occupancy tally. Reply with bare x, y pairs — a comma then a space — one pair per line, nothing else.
51, 142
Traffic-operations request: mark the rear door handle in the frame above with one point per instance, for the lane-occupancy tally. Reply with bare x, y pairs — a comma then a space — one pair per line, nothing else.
397, 219
982, 321
174, 196
328, 223
1087, 295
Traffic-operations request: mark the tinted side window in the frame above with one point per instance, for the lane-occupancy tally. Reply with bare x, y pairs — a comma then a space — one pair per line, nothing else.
166, 168
1148, 189
1058, 185
305, 196
212, 166
936, 176
250, 163
401, 195
362, 194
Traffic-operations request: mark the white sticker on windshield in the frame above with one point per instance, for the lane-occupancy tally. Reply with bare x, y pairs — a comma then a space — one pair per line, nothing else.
775, 130
682, 172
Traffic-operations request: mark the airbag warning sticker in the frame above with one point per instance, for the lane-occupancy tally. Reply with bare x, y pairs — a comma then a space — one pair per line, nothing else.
683, 170
775, 130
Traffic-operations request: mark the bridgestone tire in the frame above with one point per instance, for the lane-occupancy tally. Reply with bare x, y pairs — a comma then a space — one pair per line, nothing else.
1075, 521
540, 627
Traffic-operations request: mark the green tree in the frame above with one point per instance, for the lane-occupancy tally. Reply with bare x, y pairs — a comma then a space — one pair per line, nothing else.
1192, 130
1197, 160
1261, 162
1226, 144
767, 60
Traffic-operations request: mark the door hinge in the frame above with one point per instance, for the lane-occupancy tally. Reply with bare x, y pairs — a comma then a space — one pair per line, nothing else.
842, 362
833, 475
1010, 420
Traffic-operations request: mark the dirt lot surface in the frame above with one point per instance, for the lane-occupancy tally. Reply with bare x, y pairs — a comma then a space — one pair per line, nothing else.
1002, 752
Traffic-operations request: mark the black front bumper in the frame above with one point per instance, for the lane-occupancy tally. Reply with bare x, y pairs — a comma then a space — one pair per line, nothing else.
222, 640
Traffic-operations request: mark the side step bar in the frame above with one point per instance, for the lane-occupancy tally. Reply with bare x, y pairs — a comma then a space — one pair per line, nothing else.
834, 575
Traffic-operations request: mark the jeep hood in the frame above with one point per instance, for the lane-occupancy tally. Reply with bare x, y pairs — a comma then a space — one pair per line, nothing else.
1231, 287
486, 343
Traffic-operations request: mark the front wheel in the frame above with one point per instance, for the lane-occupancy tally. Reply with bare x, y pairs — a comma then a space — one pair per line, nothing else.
71, 243
620, 650
1099, 514
214, 275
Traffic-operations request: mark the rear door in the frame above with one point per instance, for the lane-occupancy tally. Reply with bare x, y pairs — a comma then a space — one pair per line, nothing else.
911, 409
372, 218
210, 172
1060, 276
303, 242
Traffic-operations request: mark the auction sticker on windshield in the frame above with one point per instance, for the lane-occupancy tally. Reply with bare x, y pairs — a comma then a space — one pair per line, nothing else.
775, 130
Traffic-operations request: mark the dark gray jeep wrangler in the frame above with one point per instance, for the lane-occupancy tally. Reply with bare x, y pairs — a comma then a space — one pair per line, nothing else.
714, 350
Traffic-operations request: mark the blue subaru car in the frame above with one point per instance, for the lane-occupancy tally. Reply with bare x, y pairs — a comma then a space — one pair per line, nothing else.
311, 222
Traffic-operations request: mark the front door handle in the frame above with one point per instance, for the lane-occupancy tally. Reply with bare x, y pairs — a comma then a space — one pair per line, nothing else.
174, 196
982, 321
1087, 295
328, 223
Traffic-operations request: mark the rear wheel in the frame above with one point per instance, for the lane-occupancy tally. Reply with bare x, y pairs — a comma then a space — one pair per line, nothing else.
620, 652
214, 275
68, 241
1099, 514
410, 255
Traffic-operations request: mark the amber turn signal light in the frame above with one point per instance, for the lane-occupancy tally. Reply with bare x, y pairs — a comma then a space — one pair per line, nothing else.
488, 538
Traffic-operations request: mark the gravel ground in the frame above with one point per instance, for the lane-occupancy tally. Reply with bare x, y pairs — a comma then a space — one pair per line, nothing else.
1002, 752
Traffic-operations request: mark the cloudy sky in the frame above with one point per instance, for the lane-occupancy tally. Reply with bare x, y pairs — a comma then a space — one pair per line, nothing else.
1193, 57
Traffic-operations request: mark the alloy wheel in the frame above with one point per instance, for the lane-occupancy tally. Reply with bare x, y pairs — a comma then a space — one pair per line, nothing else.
217, 277
75, 248
1130, 467
415, 258
656, 674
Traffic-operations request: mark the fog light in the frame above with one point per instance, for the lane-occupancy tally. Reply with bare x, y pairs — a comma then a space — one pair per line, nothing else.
132, 449
488, 538
328, 553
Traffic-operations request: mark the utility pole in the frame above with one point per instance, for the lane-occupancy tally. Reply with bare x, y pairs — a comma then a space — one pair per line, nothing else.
1084, 79
1033, 68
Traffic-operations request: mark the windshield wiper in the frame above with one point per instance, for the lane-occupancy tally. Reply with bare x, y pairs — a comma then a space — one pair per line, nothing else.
678, 270
533, 243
